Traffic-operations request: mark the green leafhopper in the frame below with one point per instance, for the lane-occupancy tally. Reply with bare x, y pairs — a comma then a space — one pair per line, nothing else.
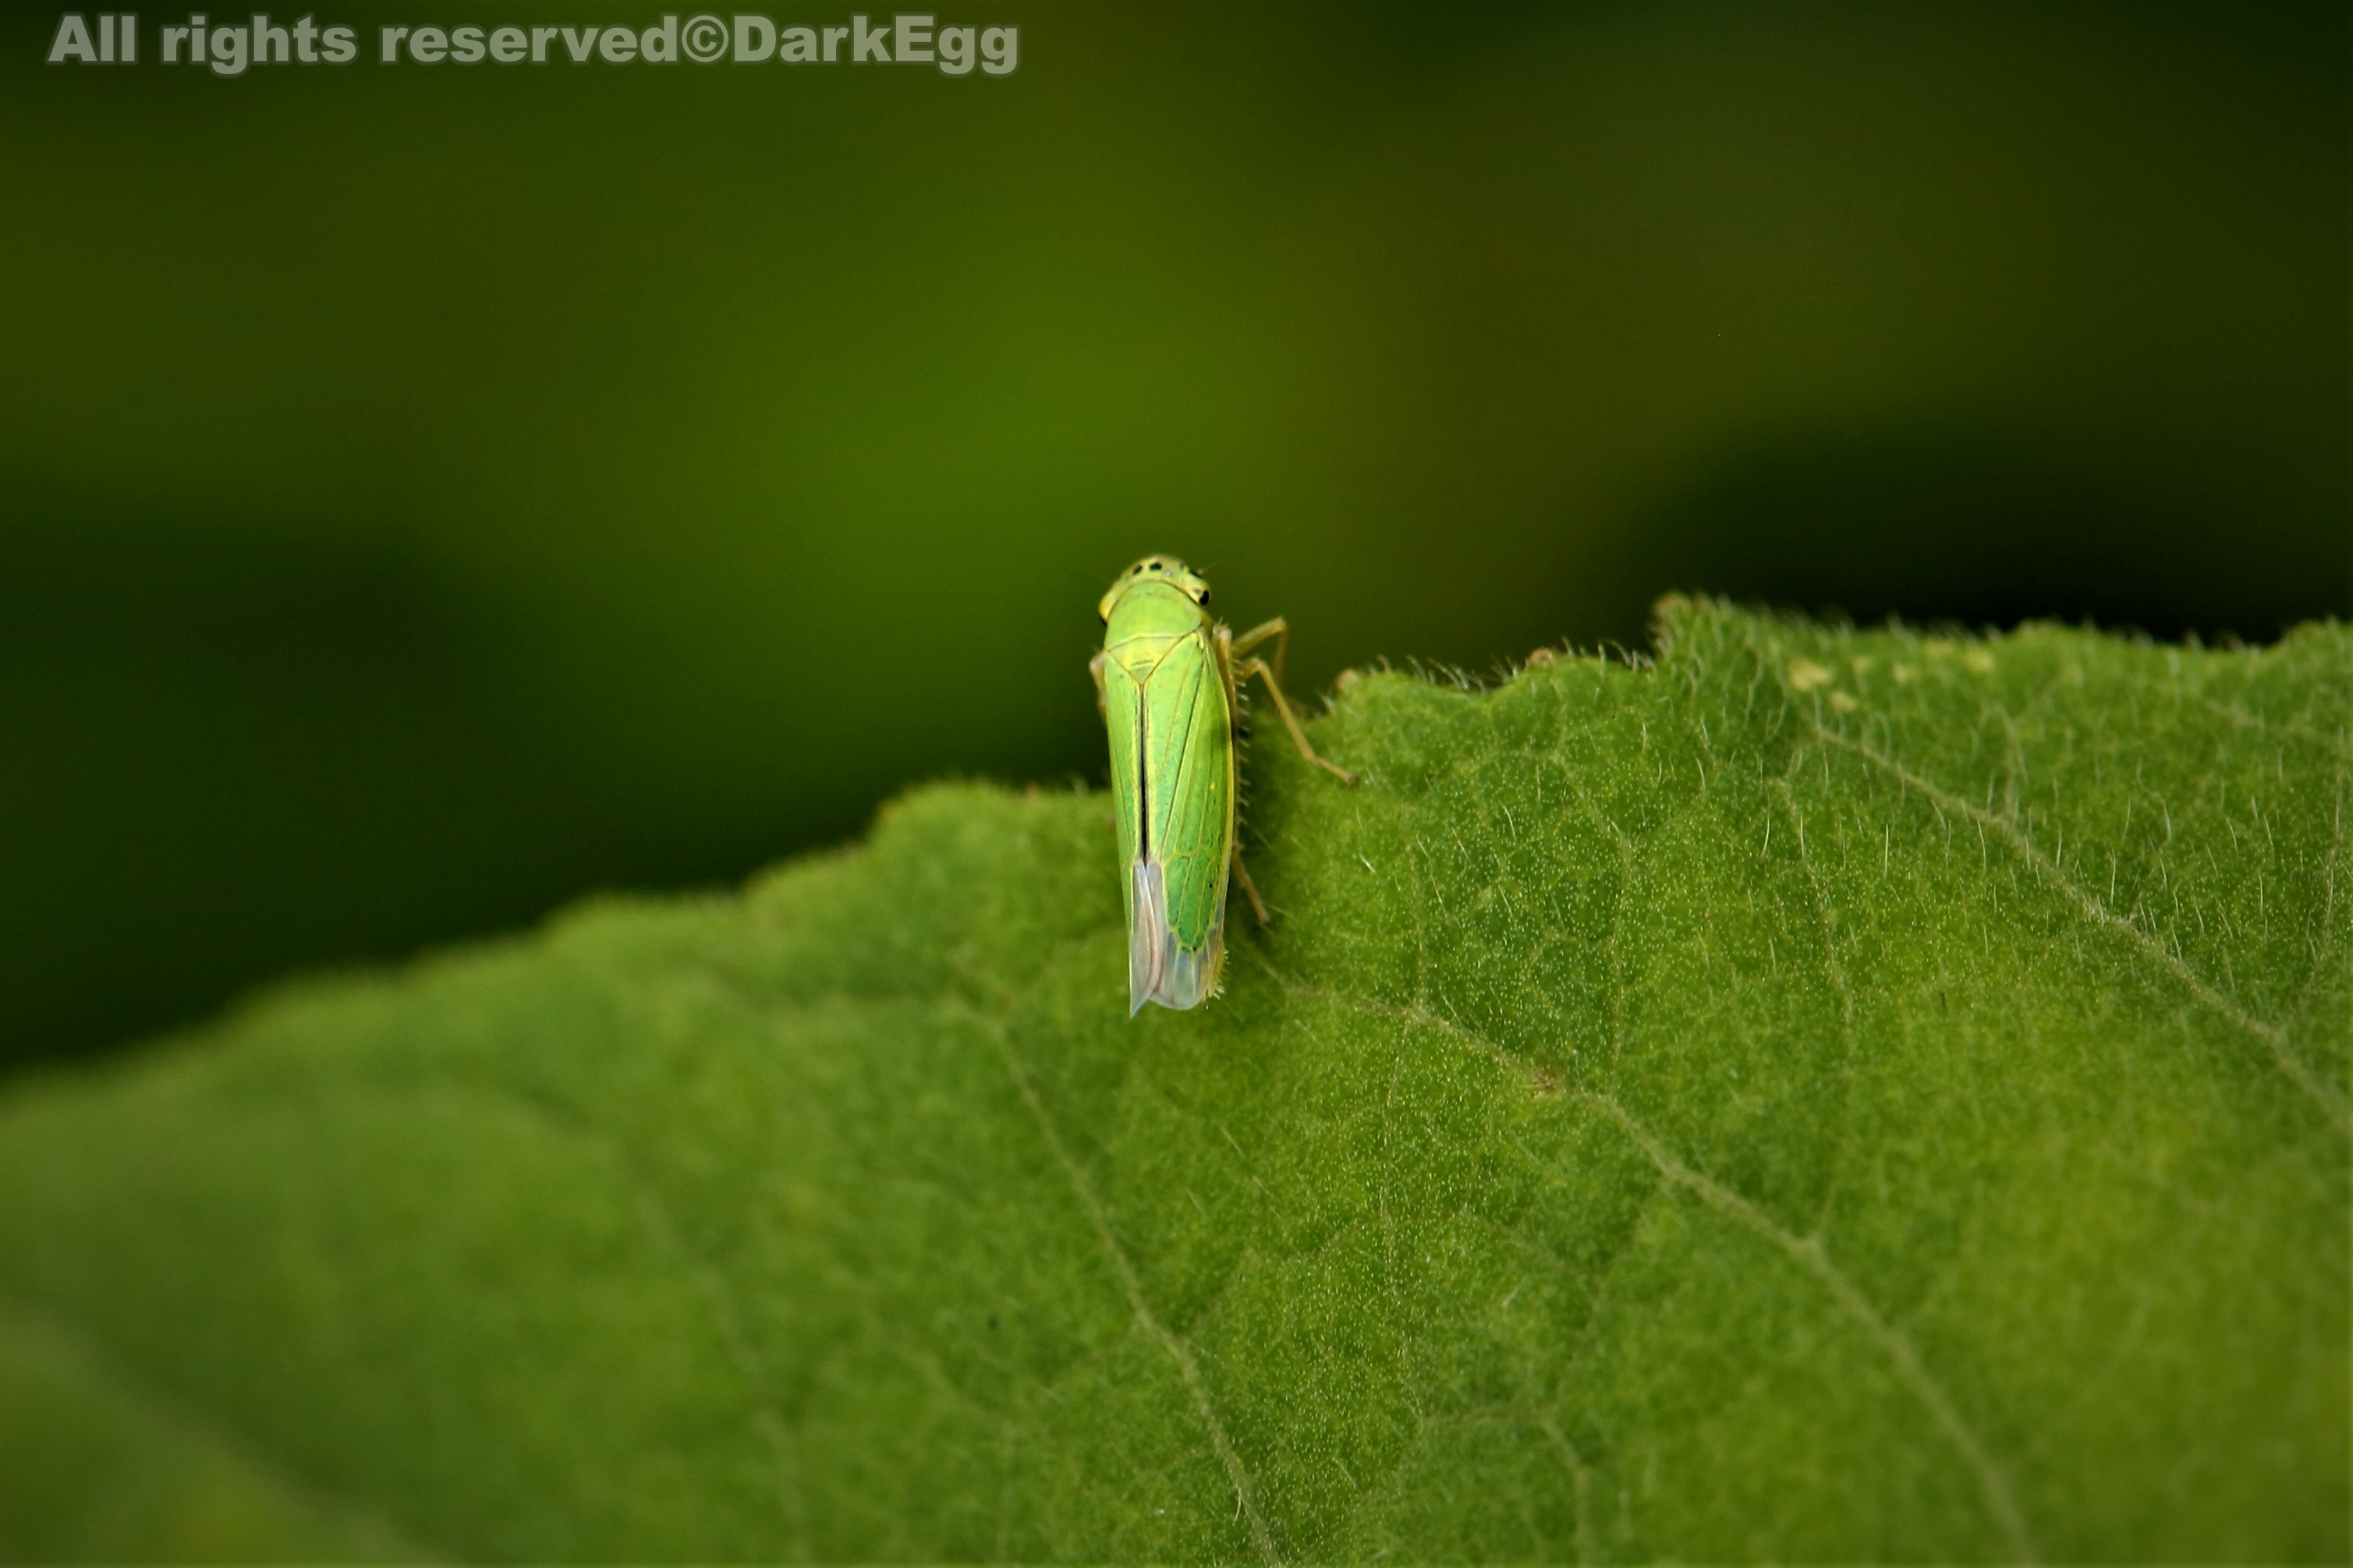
1168, 679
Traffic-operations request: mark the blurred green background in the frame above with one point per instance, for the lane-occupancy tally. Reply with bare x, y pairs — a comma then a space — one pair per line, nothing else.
429, 494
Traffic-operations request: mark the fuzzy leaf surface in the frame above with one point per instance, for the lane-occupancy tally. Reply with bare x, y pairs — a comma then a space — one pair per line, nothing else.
1826, 1094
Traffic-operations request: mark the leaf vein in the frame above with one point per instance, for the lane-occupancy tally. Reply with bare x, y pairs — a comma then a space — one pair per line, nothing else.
1836, 973
113, 1366
708, 1281
1807, 1251
2330, 1102
1176, 1348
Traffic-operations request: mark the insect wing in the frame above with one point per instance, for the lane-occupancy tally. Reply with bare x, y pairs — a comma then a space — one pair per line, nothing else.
1187, 738
1188, 734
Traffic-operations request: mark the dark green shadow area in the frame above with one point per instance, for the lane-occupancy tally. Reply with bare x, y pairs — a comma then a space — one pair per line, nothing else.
429, 494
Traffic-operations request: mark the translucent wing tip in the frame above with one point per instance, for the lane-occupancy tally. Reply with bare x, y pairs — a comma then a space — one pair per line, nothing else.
1150, 944
1157, 970
1192, 979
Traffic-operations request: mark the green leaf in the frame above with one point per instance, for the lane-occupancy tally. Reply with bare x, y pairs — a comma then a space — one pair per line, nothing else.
1826, 1094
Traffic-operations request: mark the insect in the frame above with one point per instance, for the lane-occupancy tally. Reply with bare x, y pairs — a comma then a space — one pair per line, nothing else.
1169, 678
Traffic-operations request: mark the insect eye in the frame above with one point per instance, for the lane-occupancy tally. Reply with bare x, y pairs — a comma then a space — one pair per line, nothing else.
1202, 597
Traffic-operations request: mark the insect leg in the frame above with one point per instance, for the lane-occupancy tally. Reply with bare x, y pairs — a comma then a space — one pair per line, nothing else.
1094, 668
1258, 667
1242, 877
1277, 629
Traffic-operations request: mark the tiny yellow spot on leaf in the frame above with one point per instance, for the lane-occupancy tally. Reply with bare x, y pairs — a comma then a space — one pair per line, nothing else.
1979, 659
1805, 674
1843, 702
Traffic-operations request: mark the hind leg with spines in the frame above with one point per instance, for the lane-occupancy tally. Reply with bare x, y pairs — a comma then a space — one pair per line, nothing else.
1271, 675
1258, 905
